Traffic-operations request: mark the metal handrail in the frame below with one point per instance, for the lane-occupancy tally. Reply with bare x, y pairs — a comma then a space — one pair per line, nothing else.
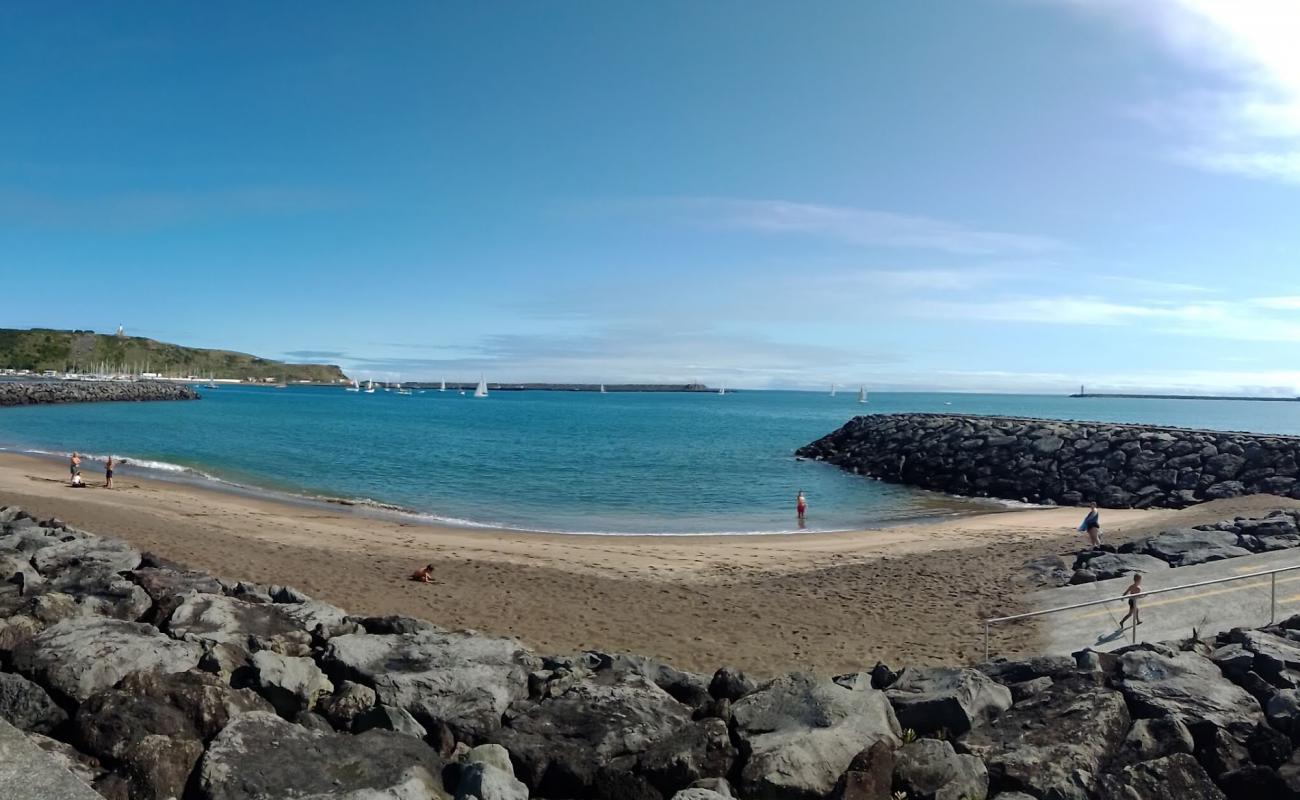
1272, 573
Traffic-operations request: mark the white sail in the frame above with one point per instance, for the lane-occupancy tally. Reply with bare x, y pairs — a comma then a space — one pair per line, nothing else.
722, 389
832, 390
442, 387
862, 394
602, 389
481, 391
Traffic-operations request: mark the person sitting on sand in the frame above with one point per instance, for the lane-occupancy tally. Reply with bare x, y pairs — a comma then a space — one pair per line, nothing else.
74, 468
1134, 589
1092, 525
423, 574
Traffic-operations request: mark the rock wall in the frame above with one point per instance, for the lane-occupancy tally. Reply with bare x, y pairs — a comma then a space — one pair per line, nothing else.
150, 680
30, 393
1069, 463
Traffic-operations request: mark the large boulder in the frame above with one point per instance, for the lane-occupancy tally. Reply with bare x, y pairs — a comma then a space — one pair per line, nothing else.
687, 687
1189, 688
348, 702
1176, 776
1150, 739
292, 685
589, 740
1011, 672
1054, 743
206, 701
154, 742
1183, 547
1114, 565
168, 588
870, 775
934, 699
803, 732
465, 681
1272, 655
83, 655
97, 554
929, 769
260, 756
27, 706
217, 619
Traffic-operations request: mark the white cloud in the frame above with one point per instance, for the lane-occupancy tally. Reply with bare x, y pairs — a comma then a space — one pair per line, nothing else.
1281, 303
1248, 121
860, 226
1247, 320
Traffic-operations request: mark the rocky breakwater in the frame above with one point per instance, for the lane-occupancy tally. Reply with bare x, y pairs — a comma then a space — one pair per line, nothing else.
149, 680
31, 393
1068, 463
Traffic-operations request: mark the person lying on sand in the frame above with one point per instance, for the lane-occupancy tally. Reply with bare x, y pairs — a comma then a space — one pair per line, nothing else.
423, 574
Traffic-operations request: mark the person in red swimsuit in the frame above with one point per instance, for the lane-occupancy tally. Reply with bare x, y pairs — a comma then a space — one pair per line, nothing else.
800, 504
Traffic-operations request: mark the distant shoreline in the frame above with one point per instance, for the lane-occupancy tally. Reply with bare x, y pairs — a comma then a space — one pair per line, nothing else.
1092, 395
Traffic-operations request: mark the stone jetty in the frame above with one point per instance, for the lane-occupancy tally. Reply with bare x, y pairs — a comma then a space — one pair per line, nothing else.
1058, 462
147, 680
31, 393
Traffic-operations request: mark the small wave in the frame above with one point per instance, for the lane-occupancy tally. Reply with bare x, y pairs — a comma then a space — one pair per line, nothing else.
141, 463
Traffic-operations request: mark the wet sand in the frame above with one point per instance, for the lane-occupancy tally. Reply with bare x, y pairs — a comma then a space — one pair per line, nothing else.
831, 602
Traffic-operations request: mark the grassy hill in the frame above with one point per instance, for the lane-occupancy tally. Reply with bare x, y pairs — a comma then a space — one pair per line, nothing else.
84, 351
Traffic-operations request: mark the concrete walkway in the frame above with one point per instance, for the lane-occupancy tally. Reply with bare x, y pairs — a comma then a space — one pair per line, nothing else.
1172, 615
29, 773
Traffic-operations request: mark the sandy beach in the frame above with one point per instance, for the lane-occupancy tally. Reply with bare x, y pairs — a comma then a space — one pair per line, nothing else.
829, 602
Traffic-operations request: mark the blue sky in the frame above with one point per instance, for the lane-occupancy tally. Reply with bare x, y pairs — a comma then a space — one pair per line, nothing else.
1013, 195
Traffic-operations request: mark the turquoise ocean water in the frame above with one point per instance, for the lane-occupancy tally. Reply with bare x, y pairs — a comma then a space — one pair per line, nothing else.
560, 461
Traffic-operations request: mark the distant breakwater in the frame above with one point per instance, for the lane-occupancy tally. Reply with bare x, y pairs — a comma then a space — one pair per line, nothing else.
31, 393
1058, 462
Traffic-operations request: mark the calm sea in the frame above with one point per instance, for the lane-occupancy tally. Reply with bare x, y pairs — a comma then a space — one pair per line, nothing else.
560, 461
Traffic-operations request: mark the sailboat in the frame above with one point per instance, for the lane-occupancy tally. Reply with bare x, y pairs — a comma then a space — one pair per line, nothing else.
370, 387
832, 390
481, 391
602, 389
722, 389
442, 387
355, 387
212, 384
862, 394
401, 387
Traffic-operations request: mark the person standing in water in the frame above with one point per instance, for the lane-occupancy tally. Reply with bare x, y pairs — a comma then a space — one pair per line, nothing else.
1092, 526
800, 505
108, 473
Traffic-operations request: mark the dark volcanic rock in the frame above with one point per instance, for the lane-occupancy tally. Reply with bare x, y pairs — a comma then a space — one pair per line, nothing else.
929, 769
1183, 547
1066, 463
463, 680
591, 736
1188, 687
802, 733
1174, 776
260, 756
83, 655
26, 706
28, 393
933, 699
1054, 743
